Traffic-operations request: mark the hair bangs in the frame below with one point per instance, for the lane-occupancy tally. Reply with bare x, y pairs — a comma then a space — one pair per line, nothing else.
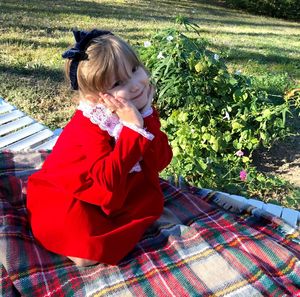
110, 59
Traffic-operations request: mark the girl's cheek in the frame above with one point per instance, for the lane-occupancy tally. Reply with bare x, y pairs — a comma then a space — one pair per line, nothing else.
146, 78
114, 93
121, 93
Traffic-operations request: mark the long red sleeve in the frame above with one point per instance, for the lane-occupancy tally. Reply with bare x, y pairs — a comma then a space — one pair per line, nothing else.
159, 153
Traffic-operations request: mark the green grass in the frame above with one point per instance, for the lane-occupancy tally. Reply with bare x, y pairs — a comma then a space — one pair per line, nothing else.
35, 33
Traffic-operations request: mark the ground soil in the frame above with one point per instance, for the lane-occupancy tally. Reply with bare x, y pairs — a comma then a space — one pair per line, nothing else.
283, 159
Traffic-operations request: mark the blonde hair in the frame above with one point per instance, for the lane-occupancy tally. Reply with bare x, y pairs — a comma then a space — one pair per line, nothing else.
106, 57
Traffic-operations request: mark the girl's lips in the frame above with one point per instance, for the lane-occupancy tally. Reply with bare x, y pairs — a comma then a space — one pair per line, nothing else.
139, 95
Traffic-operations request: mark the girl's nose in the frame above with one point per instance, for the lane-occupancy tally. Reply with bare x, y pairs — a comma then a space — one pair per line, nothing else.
134, 87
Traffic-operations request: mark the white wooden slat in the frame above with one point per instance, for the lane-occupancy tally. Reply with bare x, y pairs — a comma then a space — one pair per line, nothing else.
273, 209
239, 198
47, 145
290, 216
6, 108
26, 172
205, 191
235, 202
30, 141
3, 102
20, 134
57, 131
7, 117
256, 203
14, 125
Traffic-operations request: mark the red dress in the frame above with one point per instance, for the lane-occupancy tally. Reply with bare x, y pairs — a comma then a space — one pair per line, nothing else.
86, 202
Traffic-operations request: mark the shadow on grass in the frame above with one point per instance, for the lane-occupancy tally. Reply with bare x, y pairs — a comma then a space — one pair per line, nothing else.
40, 72
244, 54
33, 43
198, 11
270, 48
254, 34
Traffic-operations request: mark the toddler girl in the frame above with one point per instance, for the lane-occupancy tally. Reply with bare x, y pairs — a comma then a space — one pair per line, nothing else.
99, 190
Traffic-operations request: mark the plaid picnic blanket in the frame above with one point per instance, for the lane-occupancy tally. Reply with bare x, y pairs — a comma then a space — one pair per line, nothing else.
196, 248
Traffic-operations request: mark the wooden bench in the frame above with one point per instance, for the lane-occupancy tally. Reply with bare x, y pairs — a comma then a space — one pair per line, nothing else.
20, 132
290, 216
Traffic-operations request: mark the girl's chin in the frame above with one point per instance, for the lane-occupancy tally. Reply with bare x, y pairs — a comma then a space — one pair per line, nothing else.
140, 103
141, 108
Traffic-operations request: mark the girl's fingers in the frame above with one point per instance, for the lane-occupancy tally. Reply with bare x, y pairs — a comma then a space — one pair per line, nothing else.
101, 98
122, 101
108, 101
115, 103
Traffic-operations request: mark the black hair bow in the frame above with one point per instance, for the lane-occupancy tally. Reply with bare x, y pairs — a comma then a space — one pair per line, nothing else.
77, 53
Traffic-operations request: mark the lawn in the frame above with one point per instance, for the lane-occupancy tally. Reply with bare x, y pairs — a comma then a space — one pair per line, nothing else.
35, 33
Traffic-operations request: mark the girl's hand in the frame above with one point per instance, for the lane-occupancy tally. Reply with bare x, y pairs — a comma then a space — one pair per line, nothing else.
125, 110
151, 93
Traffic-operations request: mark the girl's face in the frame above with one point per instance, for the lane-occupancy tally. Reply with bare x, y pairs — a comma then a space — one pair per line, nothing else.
134, 86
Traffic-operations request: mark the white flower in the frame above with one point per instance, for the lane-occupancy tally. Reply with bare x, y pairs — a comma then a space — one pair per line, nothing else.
239, 153
193, 11
160, 56
227, 116
216, 57
170, 38
147, 43
238, 72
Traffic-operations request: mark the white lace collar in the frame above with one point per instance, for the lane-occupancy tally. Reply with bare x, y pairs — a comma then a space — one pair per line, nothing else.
103, 117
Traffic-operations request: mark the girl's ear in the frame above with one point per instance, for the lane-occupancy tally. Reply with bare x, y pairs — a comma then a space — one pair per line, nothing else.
92, 98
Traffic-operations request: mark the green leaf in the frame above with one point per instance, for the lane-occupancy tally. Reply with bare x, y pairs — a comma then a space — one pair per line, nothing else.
245, 159
263, 136
254, 140
189, 167
176, 151
232, 81
214, 143
199, 67
227, 137
266, 113
202, 164
236, 125
206, 136
183, 116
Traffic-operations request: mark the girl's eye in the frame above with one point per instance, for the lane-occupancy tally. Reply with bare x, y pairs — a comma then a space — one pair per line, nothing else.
116, 84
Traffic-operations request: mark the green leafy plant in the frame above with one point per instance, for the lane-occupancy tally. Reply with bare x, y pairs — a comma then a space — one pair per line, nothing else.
214, 119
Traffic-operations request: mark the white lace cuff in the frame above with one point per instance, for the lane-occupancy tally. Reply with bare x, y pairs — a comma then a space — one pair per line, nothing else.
141, 131
136, 168
147, 112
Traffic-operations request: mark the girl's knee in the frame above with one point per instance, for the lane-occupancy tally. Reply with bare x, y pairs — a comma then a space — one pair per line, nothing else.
83, 262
